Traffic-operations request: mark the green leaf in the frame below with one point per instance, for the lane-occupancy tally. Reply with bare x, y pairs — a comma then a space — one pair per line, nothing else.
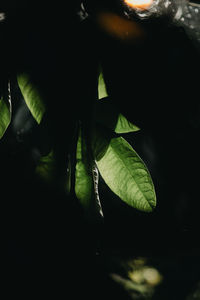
124, 126
83, 180
31, 96
102, 92
47, 170
5, 113
100, 141
84, 184
107, 115
46, 167
127, 176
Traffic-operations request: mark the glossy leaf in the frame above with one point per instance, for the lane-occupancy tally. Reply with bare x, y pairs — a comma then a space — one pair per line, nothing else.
5, 113
127, 176
31, 96
107, 115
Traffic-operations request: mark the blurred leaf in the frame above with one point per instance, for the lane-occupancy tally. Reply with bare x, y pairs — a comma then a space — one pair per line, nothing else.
5, 115
107, 115
46, 167
127, 176
48, 170
31, 96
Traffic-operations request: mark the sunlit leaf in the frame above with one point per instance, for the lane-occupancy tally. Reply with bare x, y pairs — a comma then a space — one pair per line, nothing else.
5, 113
102, 92
127, 176
108, 115
31, 96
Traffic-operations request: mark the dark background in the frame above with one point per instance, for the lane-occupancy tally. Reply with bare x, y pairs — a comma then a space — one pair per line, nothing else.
154, 83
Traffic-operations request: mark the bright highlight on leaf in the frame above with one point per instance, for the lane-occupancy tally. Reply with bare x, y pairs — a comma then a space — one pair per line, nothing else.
127, 176
31, 96
102, 92
141, 4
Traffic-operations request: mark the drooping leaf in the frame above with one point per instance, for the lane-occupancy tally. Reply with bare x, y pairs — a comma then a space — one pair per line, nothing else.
84, 184
108, 115
102, 92
31, 96
83, 180
127, 176
5, 112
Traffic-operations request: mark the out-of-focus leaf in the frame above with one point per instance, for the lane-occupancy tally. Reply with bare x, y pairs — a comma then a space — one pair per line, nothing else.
5, 112
46, 167
5, 117
31, 96
107, 115
127, 176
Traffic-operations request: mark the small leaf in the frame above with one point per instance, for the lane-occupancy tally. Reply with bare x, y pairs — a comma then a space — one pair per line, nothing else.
107, 115
102, 92
127, 176
31, 96
5, 112
124, 126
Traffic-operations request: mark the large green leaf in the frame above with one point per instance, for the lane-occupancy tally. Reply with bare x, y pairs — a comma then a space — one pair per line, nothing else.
31, 96
127, 176
5, 113
108, 115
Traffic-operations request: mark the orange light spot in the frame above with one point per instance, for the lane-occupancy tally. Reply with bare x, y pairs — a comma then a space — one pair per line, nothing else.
119, 27
141, 4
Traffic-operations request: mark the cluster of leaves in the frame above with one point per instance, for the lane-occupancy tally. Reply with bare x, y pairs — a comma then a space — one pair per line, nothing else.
106, 152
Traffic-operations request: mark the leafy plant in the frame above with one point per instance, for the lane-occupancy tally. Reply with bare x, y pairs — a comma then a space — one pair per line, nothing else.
102, 150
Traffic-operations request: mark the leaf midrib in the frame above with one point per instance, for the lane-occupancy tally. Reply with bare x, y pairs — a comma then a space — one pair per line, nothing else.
131, 175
